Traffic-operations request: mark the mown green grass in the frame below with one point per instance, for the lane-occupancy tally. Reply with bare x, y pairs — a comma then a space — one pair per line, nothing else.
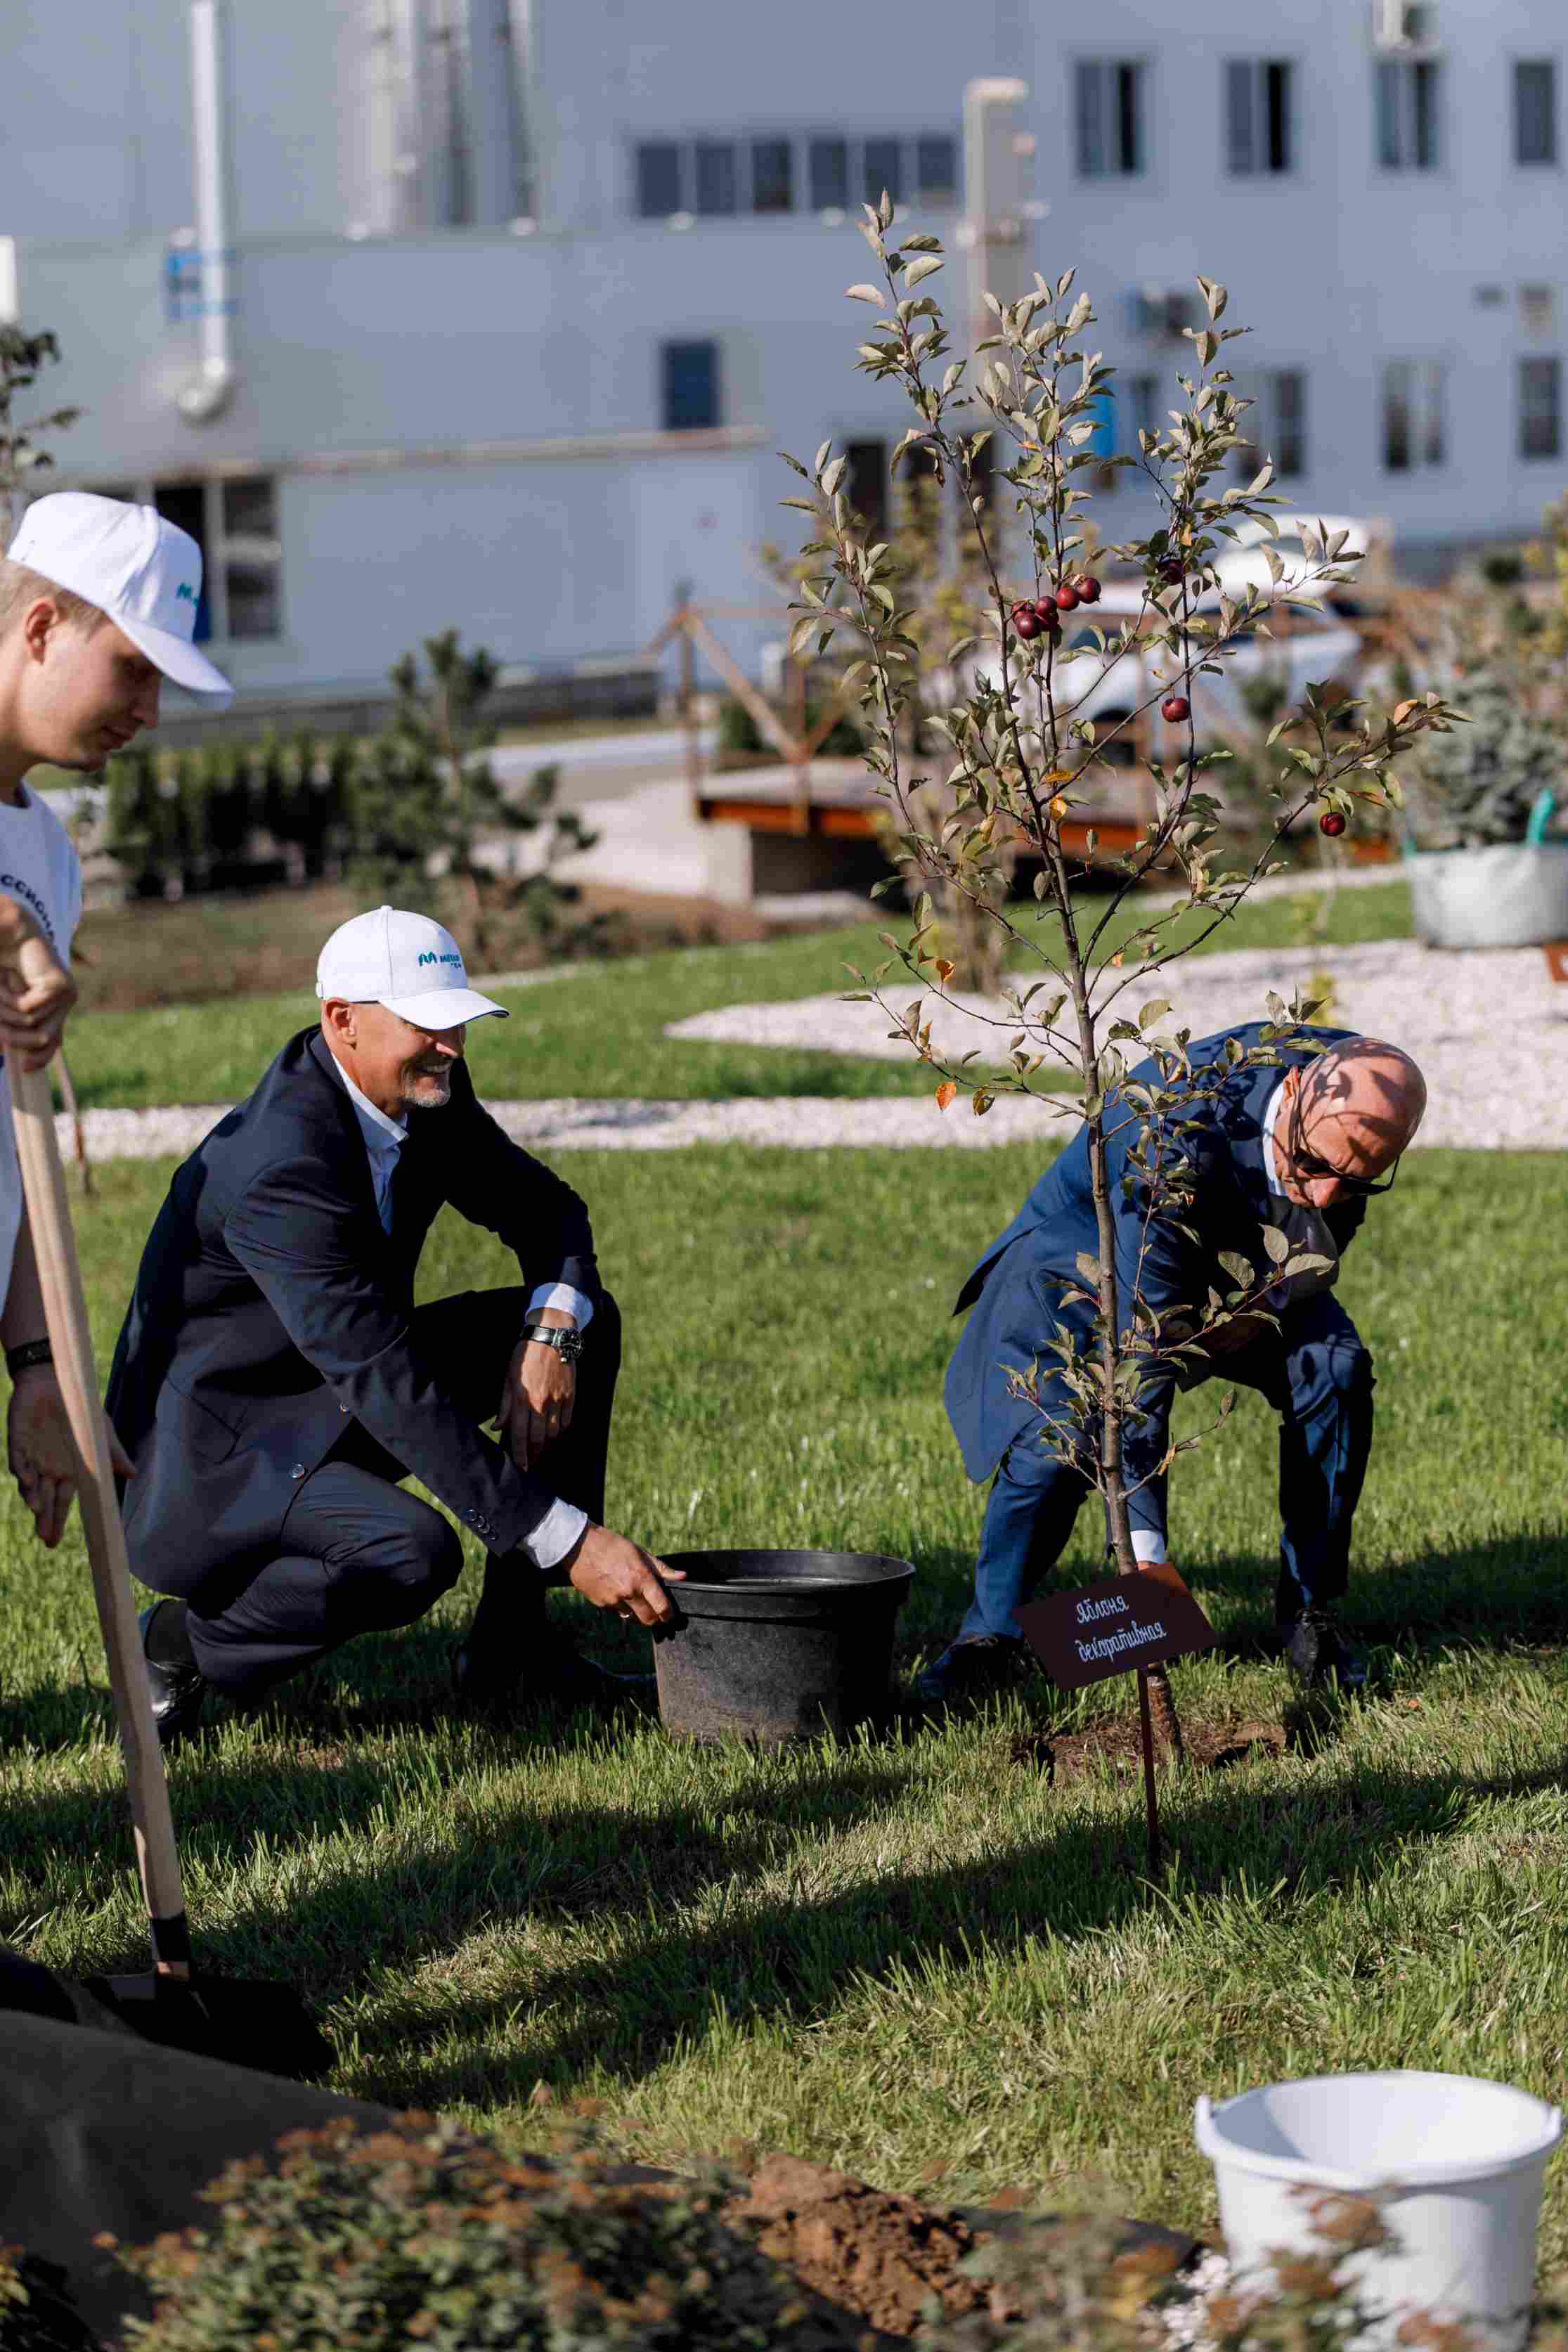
909, 1954
598, 1029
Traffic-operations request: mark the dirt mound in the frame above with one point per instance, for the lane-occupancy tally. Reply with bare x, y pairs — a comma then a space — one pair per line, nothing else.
880, 2256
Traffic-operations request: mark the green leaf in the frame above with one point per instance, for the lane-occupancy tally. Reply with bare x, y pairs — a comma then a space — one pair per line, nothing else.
1276, 1244
1238, 1268
1089, 1267
865, 294
925, 267
1151, 1011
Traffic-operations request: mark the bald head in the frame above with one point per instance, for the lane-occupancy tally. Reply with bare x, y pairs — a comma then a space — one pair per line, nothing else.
1351, 1113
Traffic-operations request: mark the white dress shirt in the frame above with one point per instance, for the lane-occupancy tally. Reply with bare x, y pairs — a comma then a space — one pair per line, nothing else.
563, 1523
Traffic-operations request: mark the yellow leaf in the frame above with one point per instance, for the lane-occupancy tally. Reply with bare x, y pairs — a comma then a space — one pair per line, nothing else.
1116, 960
944, 970
1402, 711
945, 1093
1059, 808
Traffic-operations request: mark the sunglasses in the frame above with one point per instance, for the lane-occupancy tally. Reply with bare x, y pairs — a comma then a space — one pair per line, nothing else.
1306, 1168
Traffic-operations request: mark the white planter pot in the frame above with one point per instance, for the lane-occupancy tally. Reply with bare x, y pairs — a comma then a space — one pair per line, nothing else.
1508, 895
1457, 2163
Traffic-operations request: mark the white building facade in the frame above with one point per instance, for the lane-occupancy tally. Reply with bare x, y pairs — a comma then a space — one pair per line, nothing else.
505, 307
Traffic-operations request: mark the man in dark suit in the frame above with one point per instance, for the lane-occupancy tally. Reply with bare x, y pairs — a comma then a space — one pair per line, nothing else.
273, 1379
1297, 1140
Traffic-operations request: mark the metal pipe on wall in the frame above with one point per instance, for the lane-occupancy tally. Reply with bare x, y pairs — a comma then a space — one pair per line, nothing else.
208, 394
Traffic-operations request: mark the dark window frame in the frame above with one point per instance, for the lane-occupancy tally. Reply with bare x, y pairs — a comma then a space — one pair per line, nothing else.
1260, 117
663, 148
1540, 421
674, 394
1546, 115
1110, 110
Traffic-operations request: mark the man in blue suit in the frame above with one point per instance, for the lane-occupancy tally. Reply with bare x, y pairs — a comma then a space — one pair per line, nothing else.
1297, 1140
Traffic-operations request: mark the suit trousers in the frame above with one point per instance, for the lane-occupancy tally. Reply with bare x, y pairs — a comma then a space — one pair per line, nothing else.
358, 1553
1314, 1370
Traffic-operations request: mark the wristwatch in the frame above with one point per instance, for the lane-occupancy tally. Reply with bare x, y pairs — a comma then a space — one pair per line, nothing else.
566, 1343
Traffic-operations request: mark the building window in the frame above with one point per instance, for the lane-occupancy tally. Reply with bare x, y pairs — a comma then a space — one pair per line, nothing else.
690, 386
234, 524
1276, 426
829, 164
1539, 408
883, 170
937, 168
865, 484
715, 177
658, 190
1109, 108
1258, 114
250, 557
1412, 414
772, 176
1407, 115
1535, 111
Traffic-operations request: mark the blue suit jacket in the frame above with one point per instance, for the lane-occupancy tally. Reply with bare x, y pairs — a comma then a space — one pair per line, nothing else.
270, 1303
1016, 1286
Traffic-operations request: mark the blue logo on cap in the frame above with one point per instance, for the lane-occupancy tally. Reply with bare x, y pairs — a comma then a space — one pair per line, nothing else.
184, 589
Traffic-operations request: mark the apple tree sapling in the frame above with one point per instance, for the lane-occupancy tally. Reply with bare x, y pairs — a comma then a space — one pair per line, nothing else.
1020, 751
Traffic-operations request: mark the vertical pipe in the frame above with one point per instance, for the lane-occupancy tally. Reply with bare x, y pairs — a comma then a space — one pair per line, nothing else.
209, 391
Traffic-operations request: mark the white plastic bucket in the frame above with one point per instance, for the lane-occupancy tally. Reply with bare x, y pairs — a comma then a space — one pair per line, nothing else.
1456, 2162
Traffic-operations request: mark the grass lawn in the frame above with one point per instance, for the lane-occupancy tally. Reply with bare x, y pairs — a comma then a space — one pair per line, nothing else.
907, 1955
597, 1029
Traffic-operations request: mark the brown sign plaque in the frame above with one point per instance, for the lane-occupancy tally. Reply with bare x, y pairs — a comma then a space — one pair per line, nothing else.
1557, 954
1112, 1627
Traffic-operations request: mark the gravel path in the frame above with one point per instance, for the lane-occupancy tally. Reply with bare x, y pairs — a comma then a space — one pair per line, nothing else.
1489, 1029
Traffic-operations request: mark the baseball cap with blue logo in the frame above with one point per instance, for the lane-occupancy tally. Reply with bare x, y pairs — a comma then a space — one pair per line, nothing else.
140, 569
405, 961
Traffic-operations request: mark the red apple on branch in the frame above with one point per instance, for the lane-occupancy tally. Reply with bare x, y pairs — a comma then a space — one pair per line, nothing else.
1175, 709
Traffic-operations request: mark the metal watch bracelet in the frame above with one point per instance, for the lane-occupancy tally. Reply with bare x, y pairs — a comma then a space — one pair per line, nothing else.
566, 1343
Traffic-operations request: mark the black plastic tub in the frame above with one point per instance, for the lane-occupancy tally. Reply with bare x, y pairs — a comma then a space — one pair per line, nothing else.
773, 1647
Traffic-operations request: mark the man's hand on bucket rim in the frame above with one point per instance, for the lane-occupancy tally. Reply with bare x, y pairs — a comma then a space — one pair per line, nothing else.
613, 1572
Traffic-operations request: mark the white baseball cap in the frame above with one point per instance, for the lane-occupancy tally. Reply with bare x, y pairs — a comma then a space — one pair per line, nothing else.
405, 961
142, 570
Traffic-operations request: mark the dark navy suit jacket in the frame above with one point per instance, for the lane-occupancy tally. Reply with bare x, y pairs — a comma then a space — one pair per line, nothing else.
270, 1303
1015, 1288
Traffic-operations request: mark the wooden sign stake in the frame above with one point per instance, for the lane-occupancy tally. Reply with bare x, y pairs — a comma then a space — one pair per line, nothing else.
1124, 1624
1151, 1801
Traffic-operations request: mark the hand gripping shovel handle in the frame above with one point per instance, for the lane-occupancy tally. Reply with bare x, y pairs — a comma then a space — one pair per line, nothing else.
65, 1310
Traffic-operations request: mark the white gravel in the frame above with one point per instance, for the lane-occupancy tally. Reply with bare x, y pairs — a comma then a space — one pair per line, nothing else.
1489, 1028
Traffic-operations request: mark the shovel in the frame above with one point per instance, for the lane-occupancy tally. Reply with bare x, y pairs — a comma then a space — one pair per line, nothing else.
248, 2023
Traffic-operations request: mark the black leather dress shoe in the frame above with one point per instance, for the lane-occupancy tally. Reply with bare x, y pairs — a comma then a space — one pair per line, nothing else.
561, 1676
177, 1690
1318, 1653
982, 1667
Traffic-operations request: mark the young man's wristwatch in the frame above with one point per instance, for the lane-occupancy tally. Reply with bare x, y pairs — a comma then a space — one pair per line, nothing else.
566, 1342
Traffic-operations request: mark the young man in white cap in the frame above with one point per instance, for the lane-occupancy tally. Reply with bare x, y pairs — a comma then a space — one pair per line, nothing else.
275, 1381
98, 605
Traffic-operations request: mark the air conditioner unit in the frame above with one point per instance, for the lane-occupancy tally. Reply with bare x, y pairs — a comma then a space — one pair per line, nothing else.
1403, 24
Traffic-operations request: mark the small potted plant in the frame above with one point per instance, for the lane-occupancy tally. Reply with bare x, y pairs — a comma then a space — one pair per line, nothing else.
1486, 865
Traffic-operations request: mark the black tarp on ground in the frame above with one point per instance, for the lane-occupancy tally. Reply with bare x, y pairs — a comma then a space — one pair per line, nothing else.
99, 2130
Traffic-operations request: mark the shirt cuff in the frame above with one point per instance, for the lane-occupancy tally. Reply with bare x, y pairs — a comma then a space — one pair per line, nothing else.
1147, 1544
560, 1299
555, 1534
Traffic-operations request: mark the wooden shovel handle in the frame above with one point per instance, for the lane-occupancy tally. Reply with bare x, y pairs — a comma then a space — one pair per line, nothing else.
65, 1310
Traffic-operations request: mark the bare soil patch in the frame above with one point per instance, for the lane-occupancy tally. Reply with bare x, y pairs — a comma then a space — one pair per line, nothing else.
1116, 1747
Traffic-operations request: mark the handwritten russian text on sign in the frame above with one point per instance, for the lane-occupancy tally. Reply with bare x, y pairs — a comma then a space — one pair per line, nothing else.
1110, 1628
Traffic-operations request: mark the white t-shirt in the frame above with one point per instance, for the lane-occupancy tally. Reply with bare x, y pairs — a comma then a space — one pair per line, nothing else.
39, 868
